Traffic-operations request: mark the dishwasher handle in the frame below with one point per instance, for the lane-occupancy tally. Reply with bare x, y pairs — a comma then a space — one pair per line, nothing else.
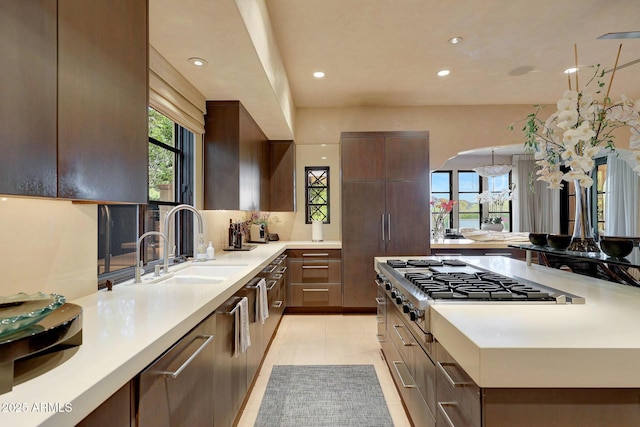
176, 373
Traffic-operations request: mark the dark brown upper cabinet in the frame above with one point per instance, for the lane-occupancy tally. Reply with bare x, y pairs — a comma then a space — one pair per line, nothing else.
28, 78
282, 176
74, 99
236, 154
103, 82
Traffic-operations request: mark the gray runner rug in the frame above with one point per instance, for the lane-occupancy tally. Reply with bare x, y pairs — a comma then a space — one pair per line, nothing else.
323, 395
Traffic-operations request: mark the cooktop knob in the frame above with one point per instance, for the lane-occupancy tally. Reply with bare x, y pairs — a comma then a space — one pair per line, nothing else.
399, 299
406, 308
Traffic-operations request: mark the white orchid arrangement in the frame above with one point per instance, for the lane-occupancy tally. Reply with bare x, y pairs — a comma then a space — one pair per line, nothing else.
496, 201
579, 131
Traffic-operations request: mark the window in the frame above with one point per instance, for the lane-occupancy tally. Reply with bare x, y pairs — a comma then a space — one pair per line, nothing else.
441, 189
600, 195
497, 185
317, 193
469, 187
171, 159
598, 198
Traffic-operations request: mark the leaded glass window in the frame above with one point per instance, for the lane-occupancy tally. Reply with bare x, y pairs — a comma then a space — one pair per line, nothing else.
317, 193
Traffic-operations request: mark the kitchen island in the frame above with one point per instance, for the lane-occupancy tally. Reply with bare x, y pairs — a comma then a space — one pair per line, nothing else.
124, 330
524, 362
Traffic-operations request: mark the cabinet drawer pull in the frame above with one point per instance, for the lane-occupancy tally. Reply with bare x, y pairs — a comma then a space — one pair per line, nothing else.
320, 254
175, 374
277, 304
316, 290
446, 254
453, 383
272, 284
400, 366
443, 411
315, 267
497, 253
281, 270
381, 301
404, 343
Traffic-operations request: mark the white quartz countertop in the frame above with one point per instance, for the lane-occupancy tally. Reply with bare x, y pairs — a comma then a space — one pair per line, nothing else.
123, 332
596, 344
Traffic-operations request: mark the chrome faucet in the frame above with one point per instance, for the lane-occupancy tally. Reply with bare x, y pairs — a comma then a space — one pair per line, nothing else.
139, 262
167, 223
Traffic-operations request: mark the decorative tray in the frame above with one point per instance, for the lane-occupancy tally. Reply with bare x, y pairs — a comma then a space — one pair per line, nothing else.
21, 310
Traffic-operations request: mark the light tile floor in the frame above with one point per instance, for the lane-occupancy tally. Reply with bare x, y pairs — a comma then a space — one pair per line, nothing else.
325, 340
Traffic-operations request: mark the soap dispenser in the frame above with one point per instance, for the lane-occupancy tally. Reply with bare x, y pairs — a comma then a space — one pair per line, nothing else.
211, 253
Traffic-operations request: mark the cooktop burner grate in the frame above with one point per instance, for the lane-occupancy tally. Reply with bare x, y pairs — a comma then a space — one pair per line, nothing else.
478, 286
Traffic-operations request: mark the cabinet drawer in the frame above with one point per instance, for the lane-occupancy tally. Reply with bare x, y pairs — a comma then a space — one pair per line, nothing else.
458, 395
316, 295
316, 271
314, 253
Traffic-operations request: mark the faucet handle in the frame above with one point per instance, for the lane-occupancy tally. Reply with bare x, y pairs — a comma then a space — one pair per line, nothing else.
156, 271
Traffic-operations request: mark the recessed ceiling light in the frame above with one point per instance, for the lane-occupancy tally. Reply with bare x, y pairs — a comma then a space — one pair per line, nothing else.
570, 70
324, 157
318, 74
455, 40
443, 73
198, 62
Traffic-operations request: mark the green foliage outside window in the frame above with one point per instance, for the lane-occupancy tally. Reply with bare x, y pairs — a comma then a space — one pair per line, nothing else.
161, 160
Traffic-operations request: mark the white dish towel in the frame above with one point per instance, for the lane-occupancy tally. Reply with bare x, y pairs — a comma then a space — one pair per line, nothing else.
262, 303
242, 338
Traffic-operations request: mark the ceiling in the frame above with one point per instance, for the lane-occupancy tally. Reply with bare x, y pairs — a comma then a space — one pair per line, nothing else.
387, 52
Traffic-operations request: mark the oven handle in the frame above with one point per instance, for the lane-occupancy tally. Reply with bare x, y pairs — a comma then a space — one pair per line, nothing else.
449, 378
443, 411
404, 343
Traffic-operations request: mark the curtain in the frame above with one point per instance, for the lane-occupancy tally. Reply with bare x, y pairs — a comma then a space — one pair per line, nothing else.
622, 186
539, 207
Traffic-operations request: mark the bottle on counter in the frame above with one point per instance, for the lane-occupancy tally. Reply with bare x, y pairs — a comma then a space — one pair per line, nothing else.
211, 252
201, 251
232, 234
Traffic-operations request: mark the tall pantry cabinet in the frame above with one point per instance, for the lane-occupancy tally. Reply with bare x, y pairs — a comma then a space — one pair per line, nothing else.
385, 205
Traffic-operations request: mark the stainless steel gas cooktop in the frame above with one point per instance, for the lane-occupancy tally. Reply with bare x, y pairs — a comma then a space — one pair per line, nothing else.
430, 281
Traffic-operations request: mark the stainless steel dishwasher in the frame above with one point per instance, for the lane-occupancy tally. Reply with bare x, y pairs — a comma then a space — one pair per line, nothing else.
178, 388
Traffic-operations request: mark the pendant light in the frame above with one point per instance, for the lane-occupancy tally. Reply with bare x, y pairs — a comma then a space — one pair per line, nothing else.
493, 169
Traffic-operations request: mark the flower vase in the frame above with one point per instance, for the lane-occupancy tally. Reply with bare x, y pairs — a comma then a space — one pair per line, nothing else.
583, 239
438, 227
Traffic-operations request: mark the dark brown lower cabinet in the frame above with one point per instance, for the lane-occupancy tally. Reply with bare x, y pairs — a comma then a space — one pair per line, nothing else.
117, 411
178, 388
461, 403
315, 280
